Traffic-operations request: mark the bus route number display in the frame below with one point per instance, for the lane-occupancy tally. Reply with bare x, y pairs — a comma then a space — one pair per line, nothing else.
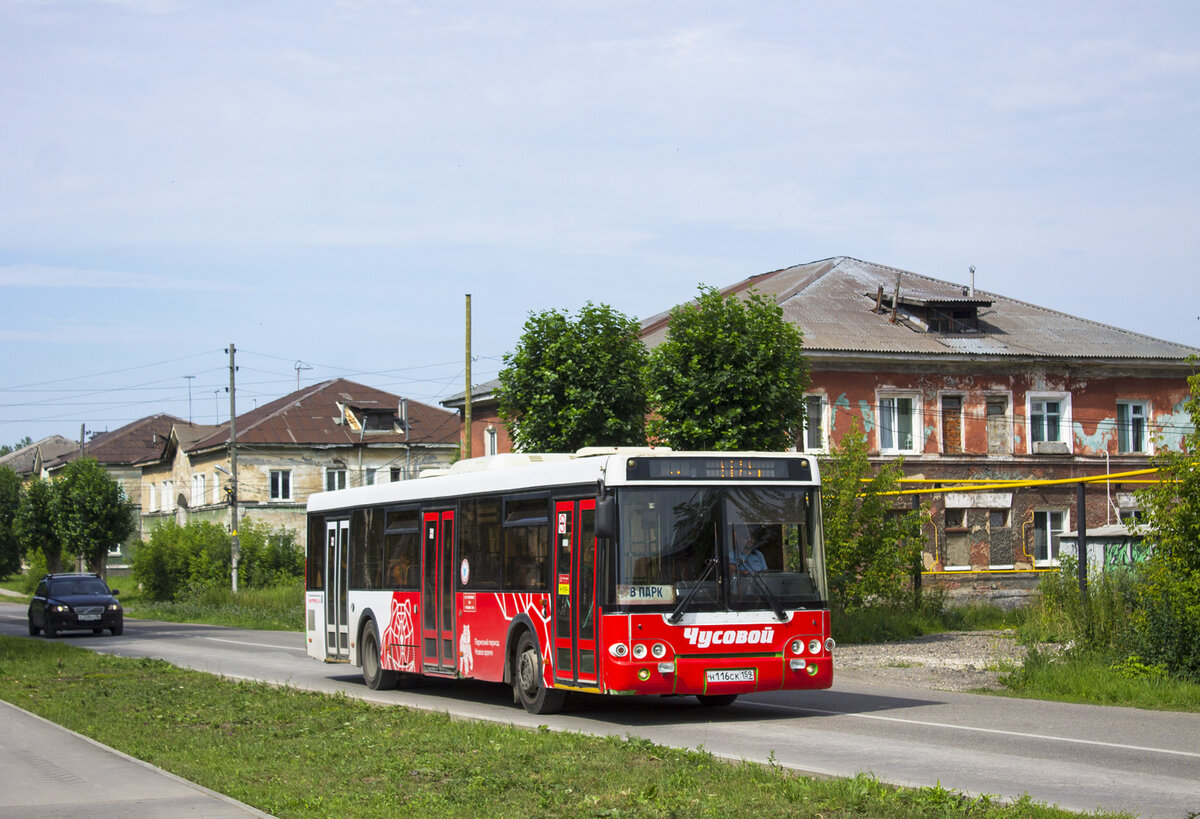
718, 468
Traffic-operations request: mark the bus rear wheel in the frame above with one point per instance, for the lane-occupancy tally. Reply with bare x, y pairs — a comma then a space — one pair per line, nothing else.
527, 680
716, 700
374, 675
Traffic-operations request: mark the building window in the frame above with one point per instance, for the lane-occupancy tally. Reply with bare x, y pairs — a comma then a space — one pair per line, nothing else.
897, 423
997, 518
812, 437
491, 445
335, 479
395, 474
281, 484
952, 443
999, 428
370, 478
1045, 419
1047, 529
153, 504
198, 489
1131, 427
216, 498
168, 501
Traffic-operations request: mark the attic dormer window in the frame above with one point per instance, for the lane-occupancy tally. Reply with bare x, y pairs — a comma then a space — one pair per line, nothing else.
952, 318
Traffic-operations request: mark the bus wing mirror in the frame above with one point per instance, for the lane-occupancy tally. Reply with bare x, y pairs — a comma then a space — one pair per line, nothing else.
606, 518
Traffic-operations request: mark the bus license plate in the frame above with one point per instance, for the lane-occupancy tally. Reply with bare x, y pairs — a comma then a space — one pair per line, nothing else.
729, 675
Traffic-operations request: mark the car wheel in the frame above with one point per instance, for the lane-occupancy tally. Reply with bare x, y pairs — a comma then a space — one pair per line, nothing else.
117, 629
34, 631
527, 680
716, 700
97, 631
375, 675
51, 630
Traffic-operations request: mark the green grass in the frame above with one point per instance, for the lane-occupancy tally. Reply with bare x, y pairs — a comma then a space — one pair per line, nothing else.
294, 753
275, 609
882, 625
1084, 678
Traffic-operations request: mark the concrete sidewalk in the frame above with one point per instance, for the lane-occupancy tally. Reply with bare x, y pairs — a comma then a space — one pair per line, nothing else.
50, 771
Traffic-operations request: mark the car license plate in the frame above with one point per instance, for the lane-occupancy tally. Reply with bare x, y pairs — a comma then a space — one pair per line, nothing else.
85, 617
729, 675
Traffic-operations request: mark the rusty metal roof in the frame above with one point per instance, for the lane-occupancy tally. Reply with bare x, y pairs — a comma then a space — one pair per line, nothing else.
137, 442
315, 417
833, 301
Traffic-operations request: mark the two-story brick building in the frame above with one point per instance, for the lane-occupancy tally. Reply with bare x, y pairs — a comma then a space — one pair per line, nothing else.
971, 385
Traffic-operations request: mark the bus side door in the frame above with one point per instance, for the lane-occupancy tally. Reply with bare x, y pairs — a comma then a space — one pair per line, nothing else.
575, 592
337, 626
437, 599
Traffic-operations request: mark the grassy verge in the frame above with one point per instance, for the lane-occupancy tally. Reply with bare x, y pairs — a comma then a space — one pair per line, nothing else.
881, 625
274, 609
1088, 678
294, 753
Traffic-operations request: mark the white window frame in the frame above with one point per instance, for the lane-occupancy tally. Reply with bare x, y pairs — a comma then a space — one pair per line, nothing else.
1147, 444
336, 476
278, 492
1065, 434
1052, 546
916, 432
168, 495
197, 489
491, 445
152, 493
216, 493
369, 476
822, 404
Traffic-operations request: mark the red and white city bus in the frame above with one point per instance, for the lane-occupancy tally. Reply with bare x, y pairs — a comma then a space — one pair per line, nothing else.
615, 571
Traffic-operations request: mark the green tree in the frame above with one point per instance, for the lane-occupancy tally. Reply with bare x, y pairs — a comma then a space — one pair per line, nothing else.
35, 524
1167, 617
871, 545
91, 512
575, 381
10, 501
5, 449
730, 374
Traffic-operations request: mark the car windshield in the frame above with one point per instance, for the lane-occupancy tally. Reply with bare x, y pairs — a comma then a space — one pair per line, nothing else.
744, 548
78, 585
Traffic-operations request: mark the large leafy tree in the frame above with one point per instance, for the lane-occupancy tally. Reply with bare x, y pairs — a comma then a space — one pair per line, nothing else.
35, 523
730, 374
10, 499
871, 546
575, 381
91, 512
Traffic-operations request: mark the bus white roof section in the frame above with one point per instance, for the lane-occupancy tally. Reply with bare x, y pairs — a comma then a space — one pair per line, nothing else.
517, 472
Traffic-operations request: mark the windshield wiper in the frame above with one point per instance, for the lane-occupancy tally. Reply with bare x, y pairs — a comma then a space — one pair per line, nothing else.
775, 607
709, 565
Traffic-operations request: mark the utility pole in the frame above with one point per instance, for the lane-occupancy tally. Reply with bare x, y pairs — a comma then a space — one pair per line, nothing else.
467, 402
235, 546
189, 380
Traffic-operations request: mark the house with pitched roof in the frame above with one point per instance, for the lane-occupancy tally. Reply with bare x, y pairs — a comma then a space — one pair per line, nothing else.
331, 435
966, 384
27, 461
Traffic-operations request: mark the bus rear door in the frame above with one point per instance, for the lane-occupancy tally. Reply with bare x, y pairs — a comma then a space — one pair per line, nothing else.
337, 628
575, 592
437, 600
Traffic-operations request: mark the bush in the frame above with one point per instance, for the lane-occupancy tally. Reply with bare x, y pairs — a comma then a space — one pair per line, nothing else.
1101, 623
1166, 624
178, 559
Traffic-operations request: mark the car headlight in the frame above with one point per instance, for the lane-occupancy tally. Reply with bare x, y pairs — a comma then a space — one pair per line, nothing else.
60, 609
114, 606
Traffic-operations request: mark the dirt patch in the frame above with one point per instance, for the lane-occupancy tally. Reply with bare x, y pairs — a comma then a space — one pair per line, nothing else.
954, 661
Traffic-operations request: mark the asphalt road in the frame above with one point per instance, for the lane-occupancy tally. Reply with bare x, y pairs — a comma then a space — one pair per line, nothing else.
1078, 756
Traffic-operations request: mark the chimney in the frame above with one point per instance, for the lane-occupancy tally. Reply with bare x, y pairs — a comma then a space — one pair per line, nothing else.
972, 281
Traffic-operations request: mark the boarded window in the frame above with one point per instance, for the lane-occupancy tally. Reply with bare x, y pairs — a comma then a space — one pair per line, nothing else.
999, 439
952, 424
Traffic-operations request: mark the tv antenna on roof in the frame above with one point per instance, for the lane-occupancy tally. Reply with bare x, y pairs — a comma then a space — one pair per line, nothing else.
300, 365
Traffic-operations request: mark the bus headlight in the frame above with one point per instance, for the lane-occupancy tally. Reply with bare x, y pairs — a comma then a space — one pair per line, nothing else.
659, 651
829, 644
797, 647
811, 669
814, 646
643, 674
618, 649
639, 651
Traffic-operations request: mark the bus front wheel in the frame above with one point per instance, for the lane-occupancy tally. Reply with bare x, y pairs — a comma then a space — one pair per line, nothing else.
527, 680
374, 674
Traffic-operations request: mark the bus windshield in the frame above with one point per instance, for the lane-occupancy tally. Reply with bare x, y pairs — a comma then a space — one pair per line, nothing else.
744, 548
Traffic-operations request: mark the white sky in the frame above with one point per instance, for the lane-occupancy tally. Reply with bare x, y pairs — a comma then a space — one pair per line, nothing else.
323, 182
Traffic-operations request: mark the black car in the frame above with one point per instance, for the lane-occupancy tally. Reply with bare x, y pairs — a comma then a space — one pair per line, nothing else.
75, 602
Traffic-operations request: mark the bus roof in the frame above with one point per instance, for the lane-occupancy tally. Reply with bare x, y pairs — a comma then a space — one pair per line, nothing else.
516, 472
